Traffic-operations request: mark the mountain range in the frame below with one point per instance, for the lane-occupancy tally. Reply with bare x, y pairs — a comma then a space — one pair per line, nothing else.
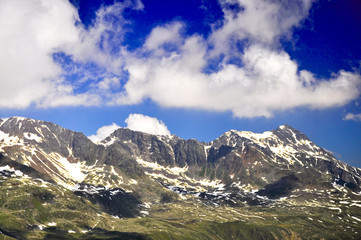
57, 184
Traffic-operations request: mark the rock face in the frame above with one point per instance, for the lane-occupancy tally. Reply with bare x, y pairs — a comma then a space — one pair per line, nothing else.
128, 172
48, 148
237, 159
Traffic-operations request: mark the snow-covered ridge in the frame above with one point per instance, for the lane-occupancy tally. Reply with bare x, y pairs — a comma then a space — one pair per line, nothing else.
31, 148
106, 142
19, 144
17, 119
112, 138
286, 148
258, 138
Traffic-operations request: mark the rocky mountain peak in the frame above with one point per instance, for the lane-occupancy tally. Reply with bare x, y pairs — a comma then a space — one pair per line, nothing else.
130, 171
68, 156
289, 134
47, 147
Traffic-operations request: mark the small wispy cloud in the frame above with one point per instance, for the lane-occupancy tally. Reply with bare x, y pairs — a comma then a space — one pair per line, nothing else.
352, 117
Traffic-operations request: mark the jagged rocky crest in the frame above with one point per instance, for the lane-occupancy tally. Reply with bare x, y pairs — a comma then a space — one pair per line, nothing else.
237, 158
129, 171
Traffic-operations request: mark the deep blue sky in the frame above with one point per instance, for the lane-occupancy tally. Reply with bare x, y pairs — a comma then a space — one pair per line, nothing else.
323, 42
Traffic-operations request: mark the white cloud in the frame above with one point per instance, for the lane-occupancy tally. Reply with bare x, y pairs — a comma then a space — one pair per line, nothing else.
172, 77
30, 31
136, 122
170, 33
266, 82
109, 83
169, 68
103, 132
97, 43
269, 81
259, 21
353, 117
142, 123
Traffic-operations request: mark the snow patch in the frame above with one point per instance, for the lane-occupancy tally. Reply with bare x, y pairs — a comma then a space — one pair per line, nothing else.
255, 137
156, 166
206, 150
39, 131
108, 143
336, 208
245, 187
144, 212
15, 173
146, 205
72, 171
3, 120
7, 140
357, 219
355, 204
32, 136
90, 189
133, 181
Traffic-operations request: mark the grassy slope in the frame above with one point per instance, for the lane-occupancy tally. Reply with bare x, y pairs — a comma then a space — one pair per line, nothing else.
26, 204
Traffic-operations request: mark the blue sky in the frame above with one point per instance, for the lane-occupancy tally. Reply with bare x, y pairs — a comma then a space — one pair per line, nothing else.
193, 68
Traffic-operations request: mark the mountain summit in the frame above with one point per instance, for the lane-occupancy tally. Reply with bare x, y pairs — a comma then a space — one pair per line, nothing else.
133, 174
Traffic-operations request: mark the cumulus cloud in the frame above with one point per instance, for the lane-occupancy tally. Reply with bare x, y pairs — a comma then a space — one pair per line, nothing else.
103, 132
169, 68
268, 81
109, 83
168, 34
30, 33
352, 117
142, 123
33, 30
102, 42
260, 21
